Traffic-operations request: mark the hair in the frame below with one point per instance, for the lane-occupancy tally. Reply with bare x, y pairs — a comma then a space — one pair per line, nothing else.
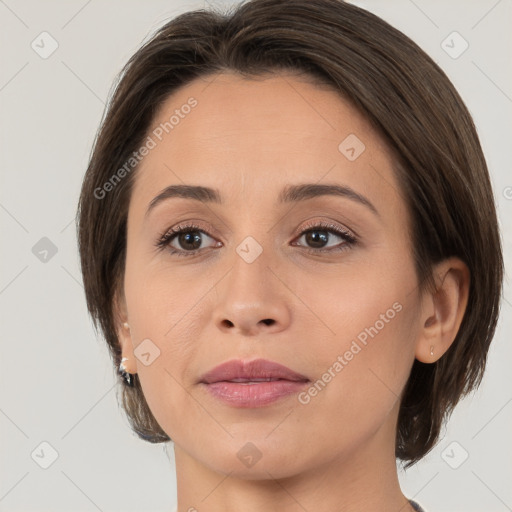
394, 85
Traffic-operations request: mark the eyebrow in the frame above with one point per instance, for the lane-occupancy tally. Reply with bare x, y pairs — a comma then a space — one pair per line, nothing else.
290, 193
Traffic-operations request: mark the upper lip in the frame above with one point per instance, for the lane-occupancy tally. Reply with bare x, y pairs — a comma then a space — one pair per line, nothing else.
248, 371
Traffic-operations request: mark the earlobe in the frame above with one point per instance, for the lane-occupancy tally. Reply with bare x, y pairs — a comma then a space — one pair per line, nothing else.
128, 360
443, 309
124, 333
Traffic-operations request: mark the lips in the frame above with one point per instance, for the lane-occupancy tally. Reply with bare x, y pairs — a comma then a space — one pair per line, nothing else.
258, 370
252, 384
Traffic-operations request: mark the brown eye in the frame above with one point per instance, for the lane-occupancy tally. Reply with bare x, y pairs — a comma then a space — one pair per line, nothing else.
189, 240
317, 237
183, 240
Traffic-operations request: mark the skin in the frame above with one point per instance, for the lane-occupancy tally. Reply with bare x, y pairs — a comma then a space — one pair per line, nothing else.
249, 139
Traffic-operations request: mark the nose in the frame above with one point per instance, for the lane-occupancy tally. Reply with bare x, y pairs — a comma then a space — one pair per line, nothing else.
252, 299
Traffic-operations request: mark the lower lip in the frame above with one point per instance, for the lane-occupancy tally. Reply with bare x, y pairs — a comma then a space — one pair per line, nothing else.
257, 394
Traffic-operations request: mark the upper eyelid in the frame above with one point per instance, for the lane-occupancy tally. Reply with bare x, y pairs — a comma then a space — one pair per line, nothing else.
327, 225
220, 223
311, 225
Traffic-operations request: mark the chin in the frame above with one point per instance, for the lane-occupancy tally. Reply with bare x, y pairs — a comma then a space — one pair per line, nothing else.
252, 461
276, 468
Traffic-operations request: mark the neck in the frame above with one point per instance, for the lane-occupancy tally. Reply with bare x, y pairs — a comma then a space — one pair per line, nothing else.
364, 479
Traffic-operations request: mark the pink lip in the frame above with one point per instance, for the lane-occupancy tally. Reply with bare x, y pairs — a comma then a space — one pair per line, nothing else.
252, 384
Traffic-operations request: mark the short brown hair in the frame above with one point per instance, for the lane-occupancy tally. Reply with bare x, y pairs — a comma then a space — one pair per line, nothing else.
409, 100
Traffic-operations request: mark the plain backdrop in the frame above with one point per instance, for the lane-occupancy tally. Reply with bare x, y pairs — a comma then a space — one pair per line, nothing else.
65, 443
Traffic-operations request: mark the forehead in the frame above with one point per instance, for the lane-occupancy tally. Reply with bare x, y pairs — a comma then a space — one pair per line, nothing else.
255, 135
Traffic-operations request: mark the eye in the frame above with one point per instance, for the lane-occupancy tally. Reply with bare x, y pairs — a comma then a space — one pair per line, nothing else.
320, 234
189, 239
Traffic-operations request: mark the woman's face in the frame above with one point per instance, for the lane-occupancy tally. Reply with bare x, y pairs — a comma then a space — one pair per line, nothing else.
338, 305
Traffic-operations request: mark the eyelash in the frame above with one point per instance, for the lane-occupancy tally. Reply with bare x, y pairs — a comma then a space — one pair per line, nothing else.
167, 237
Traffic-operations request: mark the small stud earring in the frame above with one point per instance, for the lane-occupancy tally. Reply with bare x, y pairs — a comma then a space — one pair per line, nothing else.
431, 350
125, 325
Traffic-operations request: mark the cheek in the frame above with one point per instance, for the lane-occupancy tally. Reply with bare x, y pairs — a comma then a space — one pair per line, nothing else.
160, 300
364, 357
163, 314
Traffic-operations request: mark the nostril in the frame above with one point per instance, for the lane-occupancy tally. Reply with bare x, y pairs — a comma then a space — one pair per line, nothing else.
268, 321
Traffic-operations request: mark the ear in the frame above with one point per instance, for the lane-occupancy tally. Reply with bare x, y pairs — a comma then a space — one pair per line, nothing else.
123, 331
443, 310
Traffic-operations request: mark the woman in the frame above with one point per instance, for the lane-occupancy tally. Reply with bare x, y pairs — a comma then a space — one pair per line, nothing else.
289, 239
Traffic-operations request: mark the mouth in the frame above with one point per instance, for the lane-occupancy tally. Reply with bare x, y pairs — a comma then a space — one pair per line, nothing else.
253, 384
258, 370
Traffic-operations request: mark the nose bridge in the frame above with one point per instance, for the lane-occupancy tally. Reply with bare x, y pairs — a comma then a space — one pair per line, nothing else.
252, 242
250, 274
250, 297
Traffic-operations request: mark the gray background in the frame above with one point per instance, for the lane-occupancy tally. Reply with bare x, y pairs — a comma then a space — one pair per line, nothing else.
57, 384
